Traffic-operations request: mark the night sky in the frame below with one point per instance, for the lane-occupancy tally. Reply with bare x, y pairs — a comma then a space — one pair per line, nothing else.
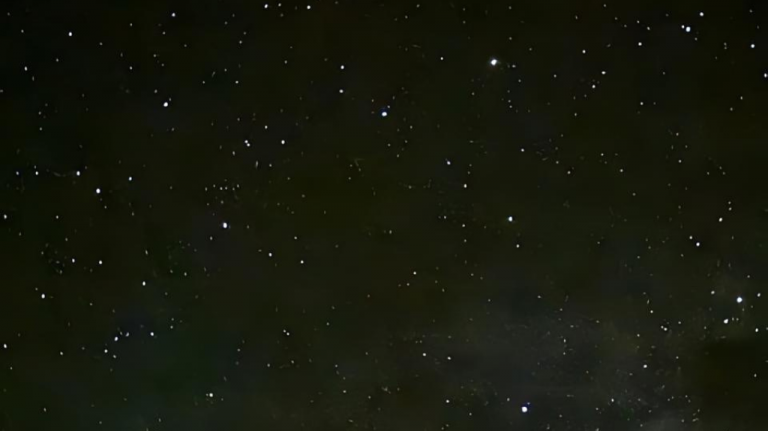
383, 215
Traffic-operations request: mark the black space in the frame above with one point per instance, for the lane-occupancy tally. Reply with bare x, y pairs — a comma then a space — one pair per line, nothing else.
353, 214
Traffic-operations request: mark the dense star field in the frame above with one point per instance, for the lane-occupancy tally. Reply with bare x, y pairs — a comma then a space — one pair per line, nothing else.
383, 215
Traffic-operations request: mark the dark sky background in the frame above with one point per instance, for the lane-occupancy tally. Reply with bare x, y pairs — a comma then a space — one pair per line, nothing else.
383, 215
